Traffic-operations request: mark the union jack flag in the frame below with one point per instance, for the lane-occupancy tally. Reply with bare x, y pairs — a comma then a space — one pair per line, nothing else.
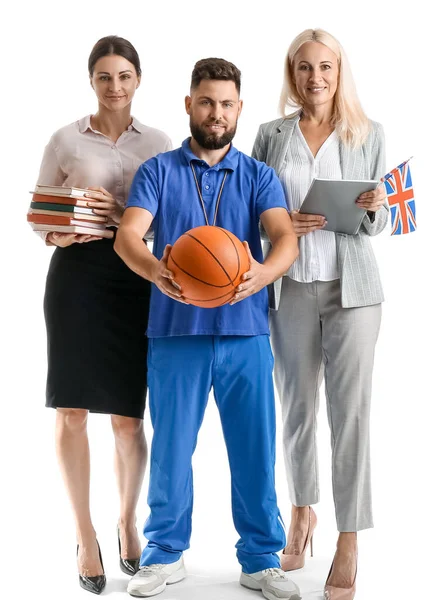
398, 184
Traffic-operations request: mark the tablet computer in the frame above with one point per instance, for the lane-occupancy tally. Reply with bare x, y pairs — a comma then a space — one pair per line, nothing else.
335, 199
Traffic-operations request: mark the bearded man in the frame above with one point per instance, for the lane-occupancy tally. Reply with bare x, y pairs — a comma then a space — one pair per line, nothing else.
192, 349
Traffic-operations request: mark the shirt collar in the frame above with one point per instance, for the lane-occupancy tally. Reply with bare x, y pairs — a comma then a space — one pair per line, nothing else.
230, 160
136, 125
85, 124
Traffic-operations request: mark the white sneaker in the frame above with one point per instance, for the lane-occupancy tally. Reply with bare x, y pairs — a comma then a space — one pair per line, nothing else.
153, 579
273, 583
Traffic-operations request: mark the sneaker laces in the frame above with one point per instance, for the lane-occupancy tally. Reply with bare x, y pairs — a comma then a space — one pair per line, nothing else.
150, 569
275, 573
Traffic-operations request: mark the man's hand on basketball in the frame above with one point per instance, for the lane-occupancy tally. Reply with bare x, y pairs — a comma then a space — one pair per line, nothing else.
256, 278
164, 279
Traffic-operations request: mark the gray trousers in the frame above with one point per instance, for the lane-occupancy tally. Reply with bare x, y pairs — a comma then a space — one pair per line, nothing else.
313, 335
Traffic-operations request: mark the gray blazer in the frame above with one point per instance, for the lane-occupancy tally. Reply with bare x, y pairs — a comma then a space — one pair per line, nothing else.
358, 271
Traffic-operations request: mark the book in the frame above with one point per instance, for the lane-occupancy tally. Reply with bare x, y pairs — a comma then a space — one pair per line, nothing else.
63, 207
68, 200
71, 214
58, 220
60, 190
105, 233
335, 199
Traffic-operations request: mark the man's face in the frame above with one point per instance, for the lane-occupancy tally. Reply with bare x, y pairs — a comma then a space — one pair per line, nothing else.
214, 108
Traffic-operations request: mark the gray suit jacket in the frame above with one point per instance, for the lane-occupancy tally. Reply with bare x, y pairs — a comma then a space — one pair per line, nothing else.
358, 271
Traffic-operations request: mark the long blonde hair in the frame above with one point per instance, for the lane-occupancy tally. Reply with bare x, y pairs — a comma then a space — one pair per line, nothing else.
349, 119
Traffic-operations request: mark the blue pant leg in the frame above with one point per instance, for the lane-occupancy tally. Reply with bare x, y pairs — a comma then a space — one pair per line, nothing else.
179, 381
243, 388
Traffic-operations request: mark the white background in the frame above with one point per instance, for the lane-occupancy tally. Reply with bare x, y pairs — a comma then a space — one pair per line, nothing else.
396, 55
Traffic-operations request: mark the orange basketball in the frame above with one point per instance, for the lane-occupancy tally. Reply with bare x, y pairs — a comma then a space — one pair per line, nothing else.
208, 263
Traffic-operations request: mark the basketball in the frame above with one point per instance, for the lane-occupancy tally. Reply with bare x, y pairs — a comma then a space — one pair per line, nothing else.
208, 263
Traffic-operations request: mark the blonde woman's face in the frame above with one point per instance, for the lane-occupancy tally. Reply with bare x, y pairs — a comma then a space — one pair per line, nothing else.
315, 74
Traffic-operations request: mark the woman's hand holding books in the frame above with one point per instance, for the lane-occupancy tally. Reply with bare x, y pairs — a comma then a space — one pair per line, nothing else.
104, 204
56, 238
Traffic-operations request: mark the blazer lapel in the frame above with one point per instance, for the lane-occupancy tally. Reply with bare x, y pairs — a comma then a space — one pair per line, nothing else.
280, 142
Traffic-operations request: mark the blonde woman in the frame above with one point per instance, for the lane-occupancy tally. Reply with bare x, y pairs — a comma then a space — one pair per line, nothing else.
328, 306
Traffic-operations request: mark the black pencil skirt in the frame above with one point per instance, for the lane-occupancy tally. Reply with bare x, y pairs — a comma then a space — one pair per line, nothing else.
96, 313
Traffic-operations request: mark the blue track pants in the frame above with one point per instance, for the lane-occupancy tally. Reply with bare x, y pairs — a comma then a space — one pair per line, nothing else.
181, 372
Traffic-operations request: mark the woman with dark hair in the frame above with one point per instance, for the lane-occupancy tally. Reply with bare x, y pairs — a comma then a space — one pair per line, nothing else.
95, 307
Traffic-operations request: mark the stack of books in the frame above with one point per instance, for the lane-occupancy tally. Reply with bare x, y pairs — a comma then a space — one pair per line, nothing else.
65, 209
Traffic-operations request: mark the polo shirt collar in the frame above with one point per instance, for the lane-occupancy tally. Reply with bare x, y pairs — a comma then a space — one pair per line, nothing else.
230, 160
85, 124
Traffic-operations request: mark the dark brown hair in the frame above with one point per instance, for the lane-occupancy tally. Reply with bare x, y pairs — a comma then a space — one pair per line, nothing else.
215, 68
113, 44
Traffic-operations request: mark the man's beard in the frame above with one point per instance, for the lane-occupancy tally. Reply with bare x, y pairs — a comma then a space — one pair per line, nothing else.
211, 141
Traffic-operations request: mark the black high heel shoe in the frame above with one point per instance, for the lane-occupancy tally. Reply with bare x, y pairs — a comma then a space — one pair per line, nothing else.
130, 566
95, 584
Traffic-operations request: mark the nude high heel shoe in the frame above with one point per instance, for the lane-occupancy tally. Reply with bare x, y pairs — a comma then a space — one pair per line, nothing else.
291, 562
335, 593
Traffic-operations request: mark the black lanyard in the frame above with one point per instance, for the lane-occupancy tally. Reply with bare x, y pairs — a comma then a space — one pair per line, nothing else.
201, 199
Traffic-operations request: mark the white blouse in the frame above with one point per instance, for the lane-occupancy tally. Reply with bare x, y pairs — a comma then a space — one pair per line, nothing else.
317, 259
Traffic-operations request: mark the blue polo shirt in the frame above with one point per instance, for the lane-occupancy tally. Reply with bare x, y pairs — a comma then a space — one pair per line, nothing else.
165, 186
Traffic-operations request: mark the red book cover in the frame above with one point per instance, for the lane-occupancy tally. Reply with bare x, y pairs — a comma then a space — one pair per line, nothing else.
60, 200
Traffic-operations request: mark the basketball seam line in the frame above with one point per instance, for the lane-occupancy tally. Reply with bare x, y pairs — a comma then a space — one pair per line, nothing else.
237, 253
209, 252
209, 300
197, 278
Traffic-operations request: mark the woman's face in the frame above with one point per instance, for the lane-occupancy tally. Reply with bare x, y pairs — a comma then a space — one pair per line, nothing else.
316, 74
114, 81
